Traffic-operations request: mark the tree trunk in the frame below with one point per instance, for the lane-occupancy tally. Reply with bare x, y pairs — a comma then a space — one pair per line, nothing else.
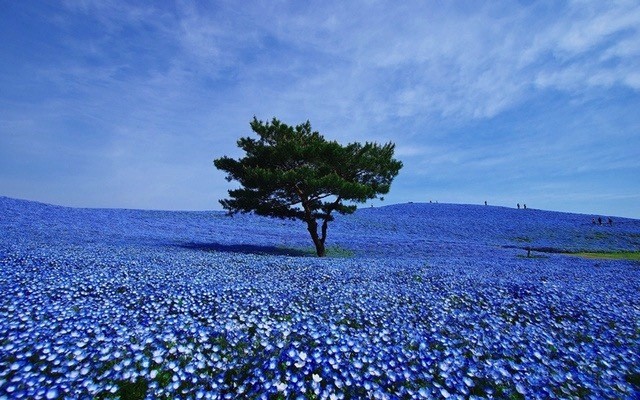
320, 250
312, 227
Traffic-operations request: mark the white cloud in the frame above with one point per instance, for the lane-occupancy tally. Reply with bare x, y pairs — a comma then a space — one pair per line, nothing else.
380, 60
155, 80
475, 64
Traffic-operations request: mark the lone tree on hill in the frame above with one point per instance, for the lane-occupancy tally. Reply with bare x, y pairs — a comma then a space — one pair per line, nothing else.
295, 173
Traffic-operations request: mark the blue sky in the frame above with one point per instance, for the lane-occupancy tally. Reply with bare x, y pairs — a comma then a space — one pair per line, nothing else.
126, 104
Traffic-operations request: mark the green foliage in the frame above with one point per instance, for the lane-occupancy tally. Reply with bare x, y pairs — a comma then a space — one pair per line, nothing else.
136, 390
294, 172
633, 378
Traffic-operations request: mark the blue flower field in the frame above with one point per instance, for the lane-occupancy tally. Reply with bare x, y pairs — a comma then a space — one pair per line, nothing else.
426, 301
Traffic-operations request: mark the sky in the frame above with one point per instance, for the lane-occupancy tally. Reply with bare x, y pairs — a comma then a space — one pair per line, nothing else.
125, 104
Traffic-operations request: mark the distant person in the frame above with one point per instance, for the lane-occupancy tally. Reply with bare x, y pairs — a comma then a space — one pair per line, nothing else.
525, 206
518, 206
599, 220
485, 202
610, 221
593, 221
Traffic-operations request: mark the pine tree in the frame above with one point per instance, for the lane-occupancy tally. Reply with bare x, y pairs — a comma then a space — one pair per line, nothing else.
295, 173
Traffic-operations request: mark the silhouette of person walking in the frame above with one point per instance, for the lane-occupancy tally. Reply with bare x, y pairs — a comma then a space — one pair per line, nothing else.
518, 206
525, 206
599, 220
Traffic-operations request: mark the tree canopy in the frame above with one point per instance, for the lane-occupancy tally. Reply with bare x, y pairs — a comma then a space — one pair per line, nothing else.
294, 172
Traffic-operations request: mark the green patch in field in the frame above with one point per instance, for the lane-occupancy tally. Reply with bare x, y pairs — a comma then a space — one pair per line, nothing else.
522, 239
339, 252
133, 390
612, 255
633, 378
164, 378
334, 251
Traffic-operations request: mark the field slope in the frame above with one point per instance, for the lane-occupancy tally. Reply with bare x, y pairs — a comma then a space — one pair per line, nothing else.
419, 301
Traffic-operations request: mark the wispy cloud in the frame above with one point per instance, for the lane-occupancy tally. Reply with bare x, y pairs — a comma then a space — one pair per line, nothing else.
470, 92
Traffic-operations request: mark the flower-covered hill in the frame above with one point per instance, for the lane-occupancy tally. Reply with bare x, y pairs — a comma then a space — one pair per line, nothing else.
412, 229
403, 230
424, 301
